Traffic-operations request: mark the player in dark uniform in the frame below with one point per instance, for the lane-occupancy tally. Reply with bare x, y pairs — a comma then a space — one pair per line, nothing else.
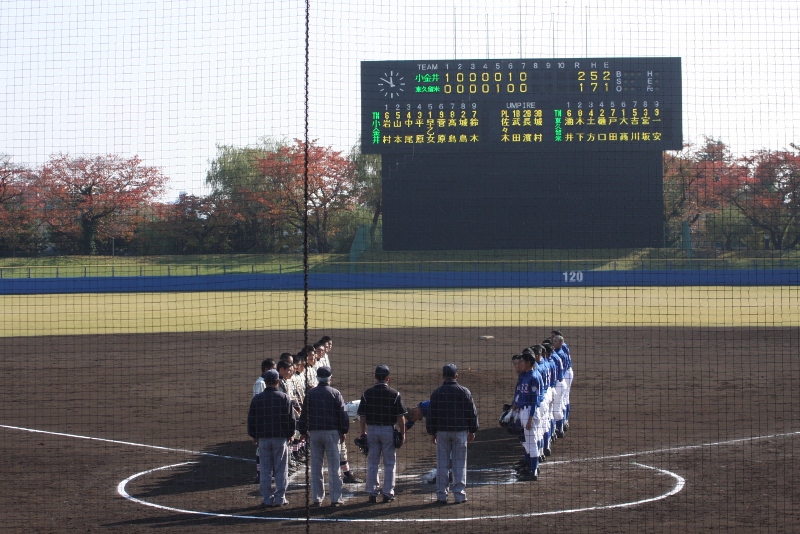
452, 424
380, 409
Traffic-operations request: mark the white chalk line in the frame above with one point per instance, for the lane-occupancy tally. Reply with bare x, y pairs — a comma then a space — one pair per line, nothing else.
680, 482
128, 443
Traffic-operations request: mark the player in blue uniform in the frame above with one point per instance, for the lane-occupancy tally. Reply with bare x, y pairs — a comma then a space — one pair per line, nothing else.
548, 374
561, 347
526, 401
556, 410
423, 409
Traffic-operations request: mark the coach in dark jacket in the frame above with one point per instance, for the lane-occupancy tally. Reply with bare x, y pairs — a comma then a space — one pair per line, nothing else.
271, 423
325, 423
452, 423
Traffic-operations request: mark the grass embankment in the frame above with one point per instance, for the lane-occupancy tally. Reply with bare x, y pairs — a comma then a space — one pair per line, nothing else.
442, 261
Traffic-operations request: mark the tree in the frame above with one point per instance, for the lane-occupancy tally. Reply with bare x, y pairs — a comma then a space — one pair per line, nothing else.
19, 225
368, 185
766, 190
692, 182
728, 228
199, 224
87, 198
330, 187
234, 175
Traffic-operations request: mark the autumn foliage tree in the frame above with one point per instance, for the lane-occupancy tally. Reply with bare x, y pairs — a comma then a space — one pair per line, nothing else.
330, 185
18, 221
692, 182
765, 188
196, 225
87, 198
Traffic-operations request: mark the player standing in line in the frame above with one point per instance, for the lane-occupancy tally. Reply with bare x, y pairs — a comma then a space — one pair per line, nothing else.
381, 408
556, 410
286, 384
327, 345
310, 374
512, 416
299, 449
569, 375
526, 401
543, 410
552, 369
258, 387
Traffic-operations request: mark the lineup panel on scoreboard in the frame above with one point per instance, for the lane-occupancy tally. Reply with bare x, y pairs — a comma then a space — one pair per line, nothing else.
521, 104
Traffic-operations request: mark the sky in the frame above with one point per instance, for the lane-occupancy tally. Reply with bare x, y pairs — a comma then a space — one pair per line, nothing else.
172, 80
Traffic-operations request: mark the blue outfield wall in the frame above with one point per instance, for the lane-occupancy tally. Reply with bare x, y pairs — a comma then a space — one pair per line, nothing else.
402, 280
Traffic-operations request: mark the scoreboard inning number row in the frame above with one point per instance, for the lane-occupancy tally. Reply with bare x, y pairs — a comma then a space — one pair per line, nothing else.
526, 104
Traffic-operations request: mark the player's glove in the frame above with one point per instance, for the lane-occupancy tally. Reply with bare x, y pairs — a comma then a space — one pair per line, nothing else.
505, 418
361, 443
398, 439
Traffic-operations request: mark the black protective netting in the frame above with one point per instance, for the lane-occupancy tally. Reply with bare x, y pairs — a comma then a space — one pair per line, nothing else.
192, 193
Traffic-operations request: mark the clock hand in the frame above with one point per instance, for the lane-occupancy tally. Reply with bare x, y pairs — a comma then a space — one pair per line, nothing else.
389, 81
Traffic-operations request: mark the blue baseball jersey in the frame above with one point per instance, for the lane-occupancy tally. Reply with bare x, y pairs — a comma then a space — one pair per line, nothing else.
543, 369
563, 353
537, 375
559, 364
527, 394
426, 410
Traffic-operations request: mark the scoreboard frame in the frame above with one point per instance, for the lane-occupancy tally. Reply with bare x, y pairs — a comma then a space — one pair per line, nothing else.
521, 105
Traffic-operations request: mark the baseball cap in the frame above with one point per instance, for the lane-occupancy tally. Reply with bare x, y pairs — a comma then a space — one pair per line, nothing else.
324, 373
381, 372
271, 376
449, 370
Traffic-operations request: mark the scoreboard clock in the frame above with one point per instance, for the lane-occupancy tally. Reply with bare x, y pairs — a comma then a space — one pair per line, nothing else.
521, 105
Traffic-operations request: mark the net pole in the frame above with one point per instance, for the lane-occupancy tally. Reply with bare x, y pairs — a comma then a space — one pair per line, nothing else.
305, 242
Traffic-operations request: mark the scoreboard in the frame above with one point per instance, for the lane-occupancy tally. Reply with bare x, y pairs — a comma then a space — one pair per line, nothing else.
521, 105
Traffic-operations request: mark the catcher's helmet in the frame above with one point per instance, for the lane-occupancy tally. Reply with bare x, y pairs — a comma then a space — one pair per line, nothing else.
362, 445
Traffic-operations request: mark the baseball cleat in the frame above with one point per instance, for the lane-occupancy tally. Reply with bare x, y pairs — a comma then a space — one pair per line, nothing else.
373, 499
388, 498
350, 478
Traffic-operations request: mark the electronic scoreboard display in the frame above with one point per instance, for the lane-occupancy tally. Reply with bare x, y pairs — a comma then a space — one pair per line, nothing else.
521, 105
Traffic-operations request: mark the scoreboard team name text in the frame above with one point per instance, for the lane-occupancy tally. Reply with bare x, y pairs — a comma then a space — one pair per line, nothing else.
472, 104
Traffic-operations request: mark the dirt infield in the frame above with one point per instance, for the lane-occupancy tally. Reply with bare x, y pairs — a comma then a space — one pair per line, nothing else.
672, 429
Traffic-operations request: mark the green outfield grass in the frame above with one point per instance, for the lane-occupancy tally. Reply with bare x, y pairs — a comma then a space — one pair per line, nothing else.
428, 261
740, 306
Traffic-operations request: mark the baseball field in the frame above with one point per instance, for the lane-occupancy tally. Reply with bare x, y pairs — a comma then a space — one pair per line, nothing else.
127, 412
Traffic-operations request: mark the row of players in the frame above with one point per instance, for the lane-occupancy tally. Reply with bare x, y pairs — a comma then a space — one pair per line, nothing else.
292, 381
539, 413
